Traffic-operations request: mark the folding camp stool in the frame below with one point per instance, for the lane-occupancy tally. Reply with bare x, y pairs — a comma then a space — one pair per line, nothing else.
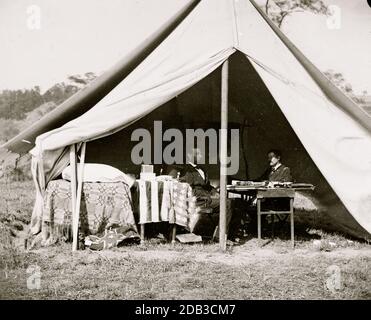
276, 193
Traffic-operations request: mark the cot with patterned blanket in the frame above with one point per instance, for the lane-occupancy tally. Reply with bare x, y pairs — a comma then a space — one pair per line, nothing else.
106, 204
103, 204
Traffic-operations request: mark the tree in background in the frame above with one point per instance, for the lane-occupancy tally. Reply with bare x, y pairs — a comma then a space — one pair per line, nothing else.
83, 79
14, 104
21, 108
62, 91
278, 10
8, 129
338, 79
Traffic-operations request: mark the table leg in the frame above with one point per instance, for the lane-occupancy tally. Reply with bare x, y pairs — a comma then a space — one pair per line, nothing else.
173, 233
272, 221
292, 223
142, 230
259, 219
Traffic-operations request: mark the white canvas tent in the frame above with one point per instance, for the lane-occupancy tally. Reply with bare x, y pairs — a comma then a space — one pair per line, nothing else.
334, 131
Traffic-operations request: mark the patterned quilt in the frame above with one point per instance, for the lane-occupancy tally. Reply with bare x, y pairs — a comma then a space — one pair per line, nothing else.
169, 201
102, 205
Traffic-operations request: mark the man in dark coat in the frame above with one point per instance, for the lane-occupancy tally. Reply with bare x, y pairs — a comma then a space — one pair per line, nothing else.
207, 196
277, 171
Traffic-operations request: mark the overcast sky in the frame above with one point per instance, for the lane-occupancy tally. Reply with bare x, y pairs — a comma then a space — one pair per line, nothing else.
78, 36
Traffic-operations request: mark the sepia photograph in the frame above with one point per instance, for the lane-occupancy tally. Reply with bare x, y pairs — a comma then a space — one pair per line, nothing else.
185, 156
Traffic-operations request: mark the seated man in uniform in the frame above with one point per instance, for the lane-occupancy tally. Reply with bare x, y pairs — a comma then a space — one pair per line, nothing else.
207, 196
276, 170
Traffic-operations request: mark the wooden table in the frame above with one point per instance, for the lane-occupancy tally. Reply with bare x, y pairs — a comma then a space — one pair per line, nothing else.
262, 193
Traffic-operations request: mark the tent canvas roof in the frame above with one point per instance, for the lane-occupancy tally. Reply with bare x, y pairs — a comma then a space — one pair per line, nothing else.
335, 133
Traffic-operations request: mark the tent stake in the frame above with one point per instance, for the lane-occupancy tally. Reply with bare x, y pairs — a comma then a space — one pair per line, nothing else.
223, 158
73, 183
76, 217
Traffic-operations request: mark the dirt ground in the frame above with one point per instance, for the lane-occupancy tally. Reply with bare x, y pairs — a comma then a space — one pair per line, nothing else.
163, 271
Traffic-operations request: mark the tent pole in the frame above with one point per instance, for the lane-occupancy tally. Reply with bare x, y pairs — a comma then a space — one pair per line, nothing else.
73, 183
76, 217
223, 158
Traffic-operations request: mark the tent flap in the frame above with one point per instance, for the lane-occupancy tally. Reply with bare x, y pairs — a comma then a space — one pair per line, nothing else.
327, 132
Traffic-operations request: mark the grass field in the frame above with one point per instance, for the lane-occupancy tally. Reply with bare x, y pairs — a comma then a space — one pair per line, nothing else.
159, 270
